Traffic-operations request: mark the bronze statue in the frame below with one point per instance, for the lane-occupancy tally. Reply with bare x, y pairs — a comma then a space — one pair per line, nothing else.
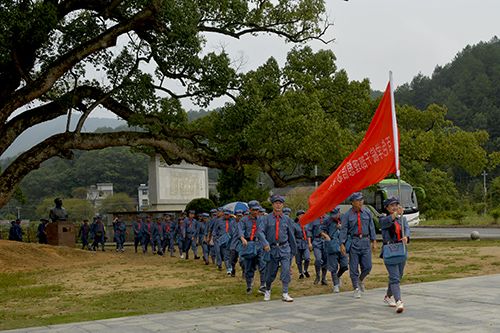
58, 213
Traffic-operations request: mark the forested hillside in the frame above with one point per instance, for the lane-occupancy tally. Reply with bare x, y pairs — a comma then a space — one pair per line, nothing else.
469, 87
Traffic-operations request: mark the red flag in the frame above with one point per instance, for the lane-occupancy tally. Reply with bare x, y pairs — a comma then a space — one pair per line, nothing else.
375, 158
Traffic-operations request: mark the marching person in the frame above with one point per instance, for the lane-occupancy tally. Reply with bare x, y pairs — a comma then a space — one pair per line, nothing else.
235, 242
169, 243
303, 256
147, 234
157, 237
247, 233
15, 231
99, 232
221, 234
137, 228
202, 238
316, 244
336, 261
394, 226
42, 232
277, 238
84, 233
190, 234
356, 233
287, 211
120, 229
208, 230
180, 231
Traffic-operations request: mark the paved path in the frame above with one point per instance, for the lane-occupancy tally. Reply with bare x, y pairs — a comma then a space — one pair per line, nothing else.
461, 305
453, 233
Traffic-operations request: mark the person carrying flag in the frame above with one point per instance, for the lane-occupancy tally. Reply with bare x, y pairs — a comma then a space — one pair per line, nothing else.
356, 233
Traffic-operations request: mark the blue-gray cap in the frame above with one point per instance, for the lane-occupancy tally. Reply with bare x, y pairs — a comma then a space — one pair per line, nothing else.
253, 204
287, 210
356, 196
228, 211
205, 215
390, 200
239, 212
192, 211
213, 210
220, 209
277, 197
262, 210
300, 212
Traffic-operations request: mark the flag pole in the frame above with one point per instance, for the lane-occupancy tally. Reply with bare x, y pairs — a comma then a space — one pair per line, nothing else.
395, 138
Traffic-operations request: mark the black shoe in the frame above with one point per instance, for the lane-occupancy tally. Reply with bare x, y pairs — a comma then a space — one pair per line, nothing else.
233, 273
206, 262
306, 273
196, 257
249, 291
262, 289
301, 276
316, 280
324, 283
219, 268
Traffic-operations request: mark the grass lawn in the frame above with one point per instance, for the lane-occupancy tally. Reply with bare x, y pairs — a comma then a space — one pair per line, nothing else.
44, 285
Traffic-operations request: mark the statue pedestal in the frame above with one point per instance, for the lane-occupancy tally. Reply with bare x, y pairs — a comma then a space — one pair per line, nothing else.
61, 233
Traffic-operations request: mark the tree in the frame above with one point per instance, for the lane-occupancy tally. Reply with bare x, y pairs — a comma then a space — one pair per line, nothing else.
200, 205
118, 202
48, 48
77, 209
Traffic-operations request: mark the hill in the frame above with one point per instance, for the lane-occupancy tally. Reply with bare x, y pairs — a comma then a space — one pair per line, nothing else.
469, 86
40, 132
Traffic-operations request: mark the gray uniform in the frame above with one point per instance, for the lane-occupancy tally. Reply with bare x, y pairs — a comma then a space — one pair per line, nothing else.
360, 253
276, 232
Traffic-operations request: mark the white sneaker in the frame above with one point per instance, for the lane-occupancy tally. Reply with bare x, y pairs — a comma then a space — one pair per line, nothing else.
286, 298
399, 306
267, 295
362, 286
336, 289
357, 293
389, 300
182, 256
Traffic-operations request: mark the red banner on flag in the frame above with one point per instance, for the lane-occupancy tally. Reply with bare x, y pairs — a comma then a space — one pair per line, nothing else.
372, 161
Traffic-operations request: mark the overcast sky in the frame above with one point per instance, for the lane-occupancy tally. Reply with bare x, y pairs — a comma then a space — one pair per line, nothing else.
375, 36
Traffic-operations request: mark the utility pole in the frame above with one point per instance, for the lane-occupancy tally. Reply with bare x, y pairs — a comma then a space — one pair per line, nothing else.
316, 175
485, 190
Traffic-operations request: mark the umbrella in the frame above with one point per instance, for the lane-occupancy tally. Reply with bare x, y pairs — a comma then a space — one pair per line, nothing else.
237, 205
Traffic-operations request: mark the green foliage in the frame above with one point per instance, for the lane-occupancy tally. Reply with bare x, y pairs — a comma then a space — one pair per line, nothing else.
468, 87
458, 215
58, 177
495, 192
77, 209
118, 202
200, 205
241, 185
495, 213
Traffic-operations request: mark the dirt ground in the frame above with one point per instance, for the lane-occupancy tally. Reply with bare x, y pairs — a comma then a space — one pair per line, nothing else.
79, 271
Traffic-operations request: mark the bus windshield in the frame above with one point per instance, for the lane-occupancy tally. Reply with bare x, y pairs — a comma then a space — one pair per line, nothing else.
408, 198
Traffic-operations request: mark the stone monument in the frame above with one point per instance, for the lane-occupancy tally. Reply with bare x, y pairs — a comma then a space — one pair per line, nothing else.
172, 187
